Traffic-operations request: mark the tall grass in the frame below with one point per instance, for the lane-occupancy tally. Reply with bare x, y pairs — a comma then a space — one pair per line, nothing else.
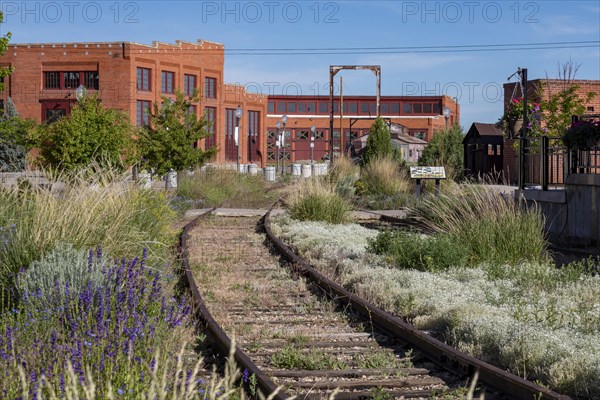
106, 212
317, 200
343, 167
492, 226
383, 176
216, 187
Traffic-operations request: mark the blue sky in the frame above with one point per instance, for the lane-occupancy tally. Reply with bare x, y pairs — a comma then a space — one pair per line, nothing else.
428, 27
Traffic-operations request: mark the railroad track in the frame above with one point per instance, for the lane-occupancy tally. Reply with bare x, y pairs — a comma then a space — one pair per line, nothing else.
290, 335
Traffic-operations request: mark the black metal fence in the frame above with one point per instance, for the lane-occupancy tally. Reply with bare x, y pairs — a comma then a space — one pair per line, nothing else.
545, 162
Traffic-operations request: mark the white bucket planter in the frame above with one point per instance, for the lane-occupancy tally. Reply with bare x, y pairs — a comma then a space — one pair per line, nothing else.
306, 170
296, 169
252, 169
145, 180
171, 180
269, 174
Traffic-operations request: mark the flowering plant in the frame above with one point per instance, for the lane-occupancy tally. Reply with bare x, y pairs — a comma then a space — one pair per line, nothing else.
516, 107
582, 135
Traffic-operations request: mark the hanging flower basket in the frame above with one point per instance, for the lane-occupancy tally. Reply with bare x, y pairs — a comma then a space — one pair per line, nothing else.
514, 127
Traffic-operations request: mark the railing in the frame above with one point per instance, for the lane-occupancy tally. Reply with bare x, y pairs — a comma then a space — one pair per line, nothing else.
545, 162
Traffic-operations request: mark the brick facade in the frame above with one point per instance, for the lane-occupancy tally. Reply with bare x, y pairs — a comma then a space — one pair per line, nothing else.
40, 88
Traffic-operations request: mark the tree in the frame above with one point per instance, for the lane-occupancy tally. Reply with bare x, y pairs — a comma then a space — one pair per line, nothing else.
169, 142
14, 132
445, 149
4, 71
379, 142
559, 107
91, 133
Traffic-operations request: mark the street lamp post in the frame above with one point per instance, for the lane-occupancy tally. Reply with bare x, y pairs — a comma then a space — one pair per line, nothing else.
284, 121
80, 93
277, 143
446, 115
238, 116
313, 130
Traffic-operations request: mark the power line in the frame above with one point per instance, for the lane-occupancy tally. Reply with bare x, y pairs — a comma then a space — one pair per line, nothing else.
417, 47
467, 48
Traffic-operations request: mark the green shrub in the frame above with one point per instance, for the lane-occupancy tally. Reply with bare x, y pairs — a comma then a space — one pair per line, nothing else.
214, 187
492, 226
423, 253
114, 215
317, 200
383, 176
63, 264
379, 142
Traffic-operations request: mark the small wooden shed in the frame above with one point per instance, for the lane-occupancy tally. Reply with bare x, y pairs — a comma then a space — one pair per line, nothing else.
483, 150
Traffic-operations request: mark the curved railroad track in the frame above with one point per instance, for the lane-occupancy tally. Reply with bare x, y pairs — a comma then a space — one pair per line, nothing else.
291, 335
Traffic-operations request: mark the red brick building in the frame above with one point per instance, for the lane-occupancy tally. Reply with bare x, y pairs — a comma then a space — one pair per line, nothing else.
538, 90
418, 117
131, 77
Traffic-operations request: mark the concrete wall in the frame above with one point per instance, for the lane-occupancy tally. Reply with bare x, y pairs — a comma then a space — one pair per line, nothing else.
572, 214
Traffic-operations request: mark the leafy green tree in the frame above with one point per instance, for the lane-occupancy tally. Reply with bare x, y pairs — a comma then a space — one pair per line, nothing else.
445, 149
379, 142
560, 106
4, 71
91, 133
168, 143
14, 145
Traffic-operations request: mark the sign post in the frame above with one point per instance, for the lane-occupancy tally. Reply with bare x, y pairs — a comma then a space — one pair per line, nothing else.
422, 173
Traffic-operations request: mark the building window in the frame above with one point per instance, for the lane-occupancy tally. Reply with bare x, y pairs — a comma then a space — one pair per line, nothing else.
189, 84
143, 113
71, 80
420, 135
91, 80
143, 79
52, 111
51, 80
210, 117
302, 135
210, 88
281, 107
168, 78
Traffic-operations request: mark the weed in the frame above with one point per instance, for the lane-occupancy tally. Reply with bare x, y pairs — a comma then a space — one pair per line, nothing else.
291, 357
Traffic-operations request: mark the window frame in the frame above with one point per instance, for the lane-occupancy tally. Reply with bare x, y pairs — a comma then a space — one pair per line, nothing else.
190, 84
167, 82
142, 119
210, 87
145, 83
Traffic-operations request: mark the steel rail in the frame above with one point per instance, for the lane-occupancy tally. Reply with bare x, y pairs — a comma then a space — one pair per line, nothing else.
222, 340
437, 351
